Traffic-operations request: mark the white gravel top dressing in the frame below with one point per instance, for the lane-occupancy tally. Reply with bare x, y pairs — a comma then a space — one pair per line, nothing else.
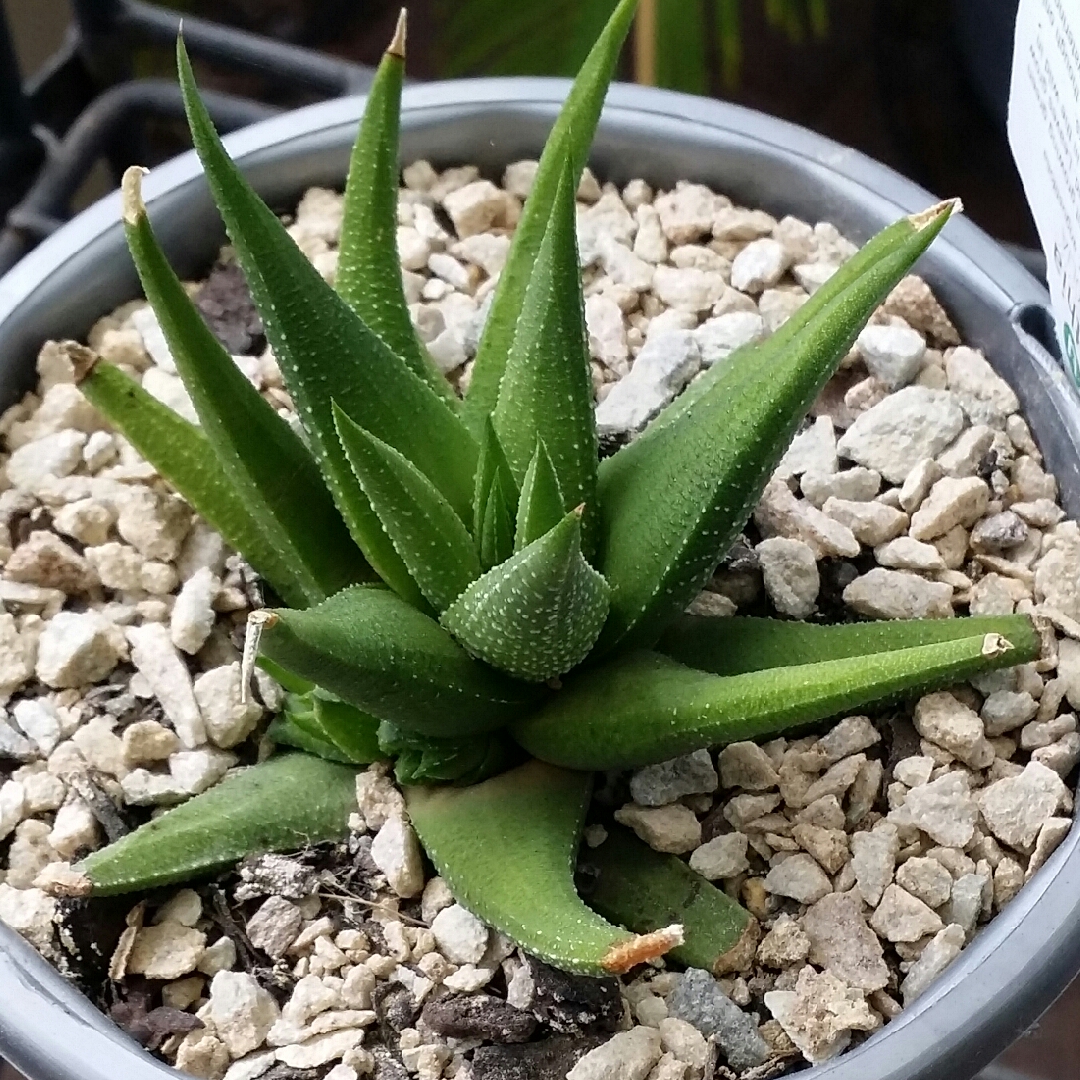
871, 854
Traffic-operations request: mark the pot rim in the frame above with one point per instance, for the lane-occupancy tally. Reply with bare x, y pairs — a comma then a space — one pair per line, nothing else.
1019, 962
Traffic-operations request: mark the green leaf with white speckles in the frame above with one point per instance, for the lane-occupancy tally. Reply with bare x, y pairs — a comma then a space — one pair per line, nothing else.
423, 527
497, 530
368, 270
546, 391
494, 501
541, 504
538, 614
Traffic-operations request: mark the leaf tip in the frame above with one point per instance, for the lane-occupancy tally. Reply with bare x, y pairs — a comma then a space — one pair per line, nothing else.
626, 954
935, 213
257, 622
132, 207
578, 510
83, 359
63, 882
397, 43
995, 645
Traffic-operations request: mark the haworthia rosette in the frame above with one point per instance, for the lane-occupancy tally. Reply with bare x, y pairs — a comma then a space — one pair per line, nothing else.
672, 501
538, 614
644, 707
423, 527
270, 468
284, 804
506, 848
376, 652
368, 270
184, 457
568, 143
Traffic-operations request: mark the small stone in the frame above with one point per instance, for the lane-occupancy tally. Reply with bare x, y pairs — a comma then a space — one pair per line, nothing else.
241, 1011
629, 1055
791, 575
903, 553
58, 455
202, 1055
999, 532
1006, 710
933, 960
688, 213
148, 741
685, 1042
396, 852
157, 660
320, 1050
44, 559
743, 809
893, 353
1061, 756
1038, 734
820, 1014
903, 917
966, 455
658, 785
723, 856
759, 265
918, 483
952, 501
479, 1016
745, 765
462, 938
228, 718
965, 902
894, 594
168, 951
949, 723
74, 830
698, 999
475, 207
855, 485
77, 648
828, 846
720, 336
785, 944
1053, 831
944, 809
1008, 881
985, 396
906, 427
800, 878
193, 613
195, 771
925, 879
664, 366
873, 523
13, 807
1016, 807
914, 770
154, 524
836, 779
672, 828
38, 720
274, 927
778, 305
812, 450
842, 943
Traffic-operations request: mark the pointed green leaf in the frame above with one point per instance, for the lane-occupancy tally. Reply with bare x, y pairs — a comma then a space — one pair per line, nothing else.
493, 501
541, 506
644, 707
327, 354
284, 804
673, 500
739, 644
497, 531
546, 391
569, 141
368, 270
423, 527
510, 842
641, 889
273, 472
538, 614
376, 652
182, 454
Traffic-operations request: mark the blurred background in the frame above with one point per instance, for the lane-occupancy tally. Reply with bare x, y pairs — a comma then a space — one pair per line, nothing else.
921, 85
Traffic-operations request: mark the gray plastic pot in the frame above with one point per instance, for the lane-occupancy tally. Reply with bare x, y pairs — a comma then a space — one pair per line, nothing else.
1021, 962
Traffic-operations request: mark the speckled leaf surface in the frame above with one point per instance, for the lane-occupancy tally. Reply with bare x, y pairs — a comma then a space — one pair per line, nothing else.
284, 804
538, 614
427, 534
376, 652
673, 500
504, 844
541, 505
494, 500
568, 144
645, 707
269, 467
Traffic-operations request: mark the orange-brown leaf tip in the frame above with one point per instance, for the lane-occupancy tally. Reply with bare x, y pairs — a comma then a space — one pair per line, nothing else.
934, 213
628, 953
132, 207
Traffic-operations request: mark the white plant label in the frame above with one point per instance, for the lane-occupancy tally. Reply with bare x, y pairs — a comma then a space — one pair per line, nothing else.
1044, 132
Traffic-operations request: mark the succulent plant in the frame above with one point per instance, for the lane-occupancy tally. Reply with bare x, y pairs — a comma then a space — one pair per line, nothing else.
464, 587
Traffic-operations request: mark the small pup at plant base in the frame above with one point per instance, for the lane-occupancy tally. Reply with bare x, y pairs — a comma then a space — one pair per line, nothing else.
465, 587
